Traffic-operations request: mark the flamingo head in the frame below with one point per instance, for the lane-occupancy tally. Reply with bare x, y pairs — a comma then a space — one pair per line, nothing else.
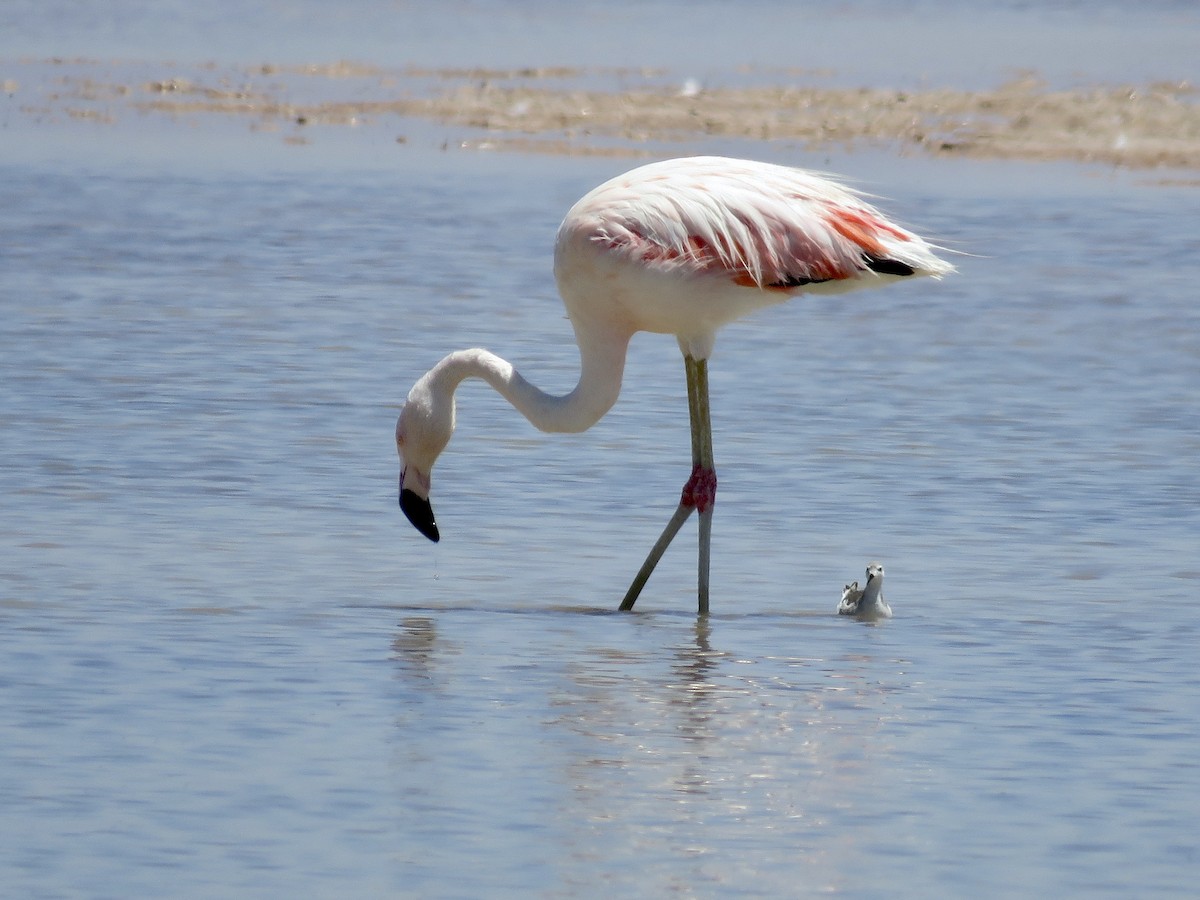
421, 436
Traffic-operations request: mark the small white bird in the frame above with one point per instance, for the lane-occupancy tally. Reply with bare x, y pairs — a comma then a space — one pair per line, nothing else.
867, 603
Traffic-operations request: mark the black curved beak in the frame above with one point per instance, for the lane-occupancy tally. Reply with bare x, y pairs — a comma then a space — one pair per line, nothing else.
420, 513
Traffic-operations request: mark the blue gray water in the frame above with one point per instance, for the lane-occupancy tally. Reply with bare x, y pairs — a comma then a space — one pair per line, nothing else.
229, 667
227, 662
962, 43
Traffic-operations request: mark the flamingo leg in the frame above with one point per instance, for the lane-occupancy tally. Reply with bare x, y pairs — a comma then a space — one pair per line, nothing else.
701, 489
705, 556
699, 493
660, 547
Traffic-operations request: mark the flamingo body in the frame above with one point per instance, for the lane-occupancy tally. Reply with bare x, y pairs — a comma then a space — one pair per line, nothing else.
687, 246
680, 247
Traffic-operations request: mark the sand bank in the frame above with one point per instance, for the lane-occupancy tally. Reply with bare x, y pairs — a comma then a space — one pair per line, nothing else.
591, 111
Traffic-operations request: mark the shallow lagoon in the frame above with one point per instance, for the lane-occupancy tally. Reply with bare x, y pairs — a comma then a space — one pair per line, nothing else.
229, 666
229, 661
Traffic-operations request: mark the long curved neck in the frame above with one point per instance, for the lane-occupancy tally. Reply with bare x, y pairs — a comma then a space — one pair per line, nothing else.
602, 362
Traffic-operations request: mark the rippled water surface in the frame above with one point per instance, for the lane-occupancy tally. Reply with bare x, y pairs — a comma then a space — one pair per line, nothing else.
227, 661
229, 667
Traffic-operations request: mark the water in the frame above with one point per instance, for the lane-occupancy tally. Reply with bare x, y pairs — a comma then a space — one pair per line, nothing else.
229, 662
229, 667
965, 43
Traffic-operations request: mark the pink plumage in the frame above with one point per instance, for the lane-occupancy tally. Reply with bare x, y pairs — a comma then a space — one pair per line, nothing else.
751, 223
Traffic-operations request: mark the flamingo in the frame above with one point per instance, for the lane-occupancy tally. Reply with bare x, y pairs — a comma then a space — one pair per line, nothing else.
681, 247
867, 604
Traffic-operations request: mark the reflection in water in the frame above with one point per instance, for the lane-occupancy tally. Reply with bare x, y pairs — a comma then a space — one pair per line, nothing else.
658, 755
413, 647
695, 663
689, 758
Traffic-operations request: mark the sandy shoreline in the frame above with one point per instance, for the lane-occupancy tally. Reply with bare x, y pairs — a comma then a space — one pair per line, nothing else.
590, 111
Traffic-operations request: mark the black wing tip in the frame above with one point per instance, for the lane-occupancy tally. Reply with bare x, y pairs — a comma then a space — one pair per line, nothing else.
420, 513
885, 266
881, 265
792, 281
